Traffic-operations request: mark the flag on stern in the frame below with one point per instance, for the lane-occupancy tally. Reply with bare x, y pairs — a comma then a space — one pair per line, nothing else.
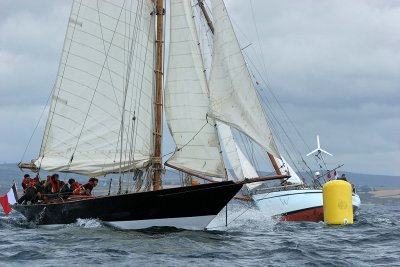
10, 198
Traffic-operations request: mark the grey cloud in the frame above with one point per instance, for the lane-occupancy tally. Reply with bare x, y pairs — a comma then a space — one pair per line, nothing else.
334, 65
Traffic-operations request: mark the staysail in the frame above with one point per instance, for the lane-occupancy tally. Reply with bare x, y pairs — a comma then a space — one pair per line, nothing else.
186, 98
285, 168
233, 98
105, 74
238, 161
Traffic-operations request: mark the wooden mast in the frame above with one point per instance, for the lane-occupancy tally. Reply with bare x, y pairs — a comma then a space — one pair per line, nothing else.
274, 164
276, 167
158, 95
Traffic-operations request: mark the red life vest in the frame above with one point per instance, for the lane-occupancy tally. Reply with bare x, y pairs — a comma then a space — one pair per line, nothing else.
80, 190
75, 185
25, 182
55, 187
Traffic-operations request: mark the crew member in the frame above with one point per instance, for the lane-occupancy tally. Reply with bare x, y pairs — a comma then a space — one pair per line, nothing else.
30, 194
343, 177
86, 189
73, 185
27, 179
53, 187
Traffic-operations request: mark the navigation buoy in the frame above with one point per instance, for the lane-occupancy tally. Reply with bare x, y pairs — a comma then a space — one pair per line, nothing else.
338, 207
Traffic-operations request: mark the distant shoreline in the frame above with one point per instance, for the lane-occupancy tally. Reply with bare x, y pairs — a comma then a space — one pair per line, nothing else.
386, 193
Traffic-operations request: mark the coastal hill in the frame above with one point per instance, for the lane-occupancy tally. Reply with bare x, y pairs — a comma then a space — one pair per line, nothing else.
10, 172
371, 188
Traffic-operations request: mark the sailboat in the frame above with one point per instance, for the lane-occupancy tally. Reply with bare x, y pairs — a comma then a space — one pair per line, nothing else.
293, 200
106, 115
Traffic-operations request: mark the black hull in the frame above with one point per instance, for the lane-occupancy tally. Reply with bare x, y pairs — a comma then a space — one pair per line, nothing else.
182, 202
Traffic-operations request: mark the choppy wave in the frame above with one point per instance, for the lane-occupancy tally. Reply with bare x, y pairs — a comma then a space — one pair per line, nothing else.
245, 238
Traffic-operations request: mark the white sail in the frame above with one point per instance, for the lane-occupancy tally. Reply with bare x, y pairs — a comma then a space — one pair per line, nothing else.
233, 98
105, 74
186, 98
238, 161
285, 168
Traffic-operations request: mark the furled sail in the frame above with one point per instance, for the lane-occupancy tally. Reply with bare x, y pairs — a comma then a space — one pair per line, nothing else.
233, 98
186, 98
101, 115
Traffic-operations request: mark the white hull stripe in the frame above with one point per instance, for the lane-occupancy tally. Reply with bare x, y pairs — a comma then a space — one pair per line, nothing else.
189, 223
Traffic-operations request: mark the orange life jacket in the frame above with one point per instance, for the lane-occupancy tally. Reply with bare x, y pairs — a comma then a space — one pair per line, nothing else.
55, 187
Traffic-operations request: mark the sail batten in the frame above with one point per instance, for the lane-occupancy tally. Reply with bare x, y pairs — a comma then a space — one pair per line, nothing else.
106, 73
186, 99
233, 97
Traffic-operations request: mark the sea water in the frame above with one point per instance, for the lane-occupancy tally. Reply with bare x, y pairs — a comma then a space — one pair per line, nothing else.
243, 238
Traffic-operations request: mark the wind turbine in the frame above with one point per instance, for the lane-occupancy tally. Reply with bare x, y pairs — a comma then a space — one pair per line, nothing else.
319, 150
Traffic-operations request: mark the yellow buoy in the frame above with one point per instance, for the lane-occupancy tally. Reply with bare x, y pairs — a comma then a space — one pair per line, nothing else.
338, 207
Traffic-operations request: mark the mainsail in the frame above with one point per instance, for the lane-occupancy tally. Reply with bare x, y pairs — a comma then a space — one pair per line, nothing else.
101, 115
233, 98
186, 99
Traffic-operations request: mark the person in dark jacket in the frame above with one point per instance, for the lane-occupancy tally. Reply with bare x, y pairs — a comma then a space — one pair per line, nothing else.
343, 177
52, 189
30, 194
73, 185
87, 188
27, 179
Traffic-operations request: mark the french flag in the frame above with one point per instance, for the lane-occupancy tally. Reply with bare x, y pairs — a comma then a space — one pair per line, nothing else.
10, 198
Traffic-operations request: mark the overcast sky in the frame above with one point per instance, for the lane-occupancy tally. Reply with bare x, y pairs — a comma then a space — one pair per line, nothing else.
334, 65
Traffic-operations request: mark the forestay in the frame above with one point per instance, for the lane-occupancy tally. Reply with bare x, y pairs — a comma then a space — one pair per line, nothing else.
102, 107
186, 98
233, 98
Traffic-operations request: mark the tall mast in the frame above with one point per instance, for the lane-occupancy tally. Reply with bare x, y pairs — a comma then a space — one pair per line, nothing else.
158, 95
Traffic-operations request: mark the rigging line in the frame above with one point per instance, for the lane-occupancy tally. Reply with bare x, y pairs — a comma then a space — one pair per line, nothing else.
132, 50
55, 100
267, 104
269, 88
138, 100
234, 219
277, 102
104, 47
132, 121
105, 52
129, 152
123, 84
94, 93
191, 139
134, 40
198, 41
248, 149
258, 36
37, 124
